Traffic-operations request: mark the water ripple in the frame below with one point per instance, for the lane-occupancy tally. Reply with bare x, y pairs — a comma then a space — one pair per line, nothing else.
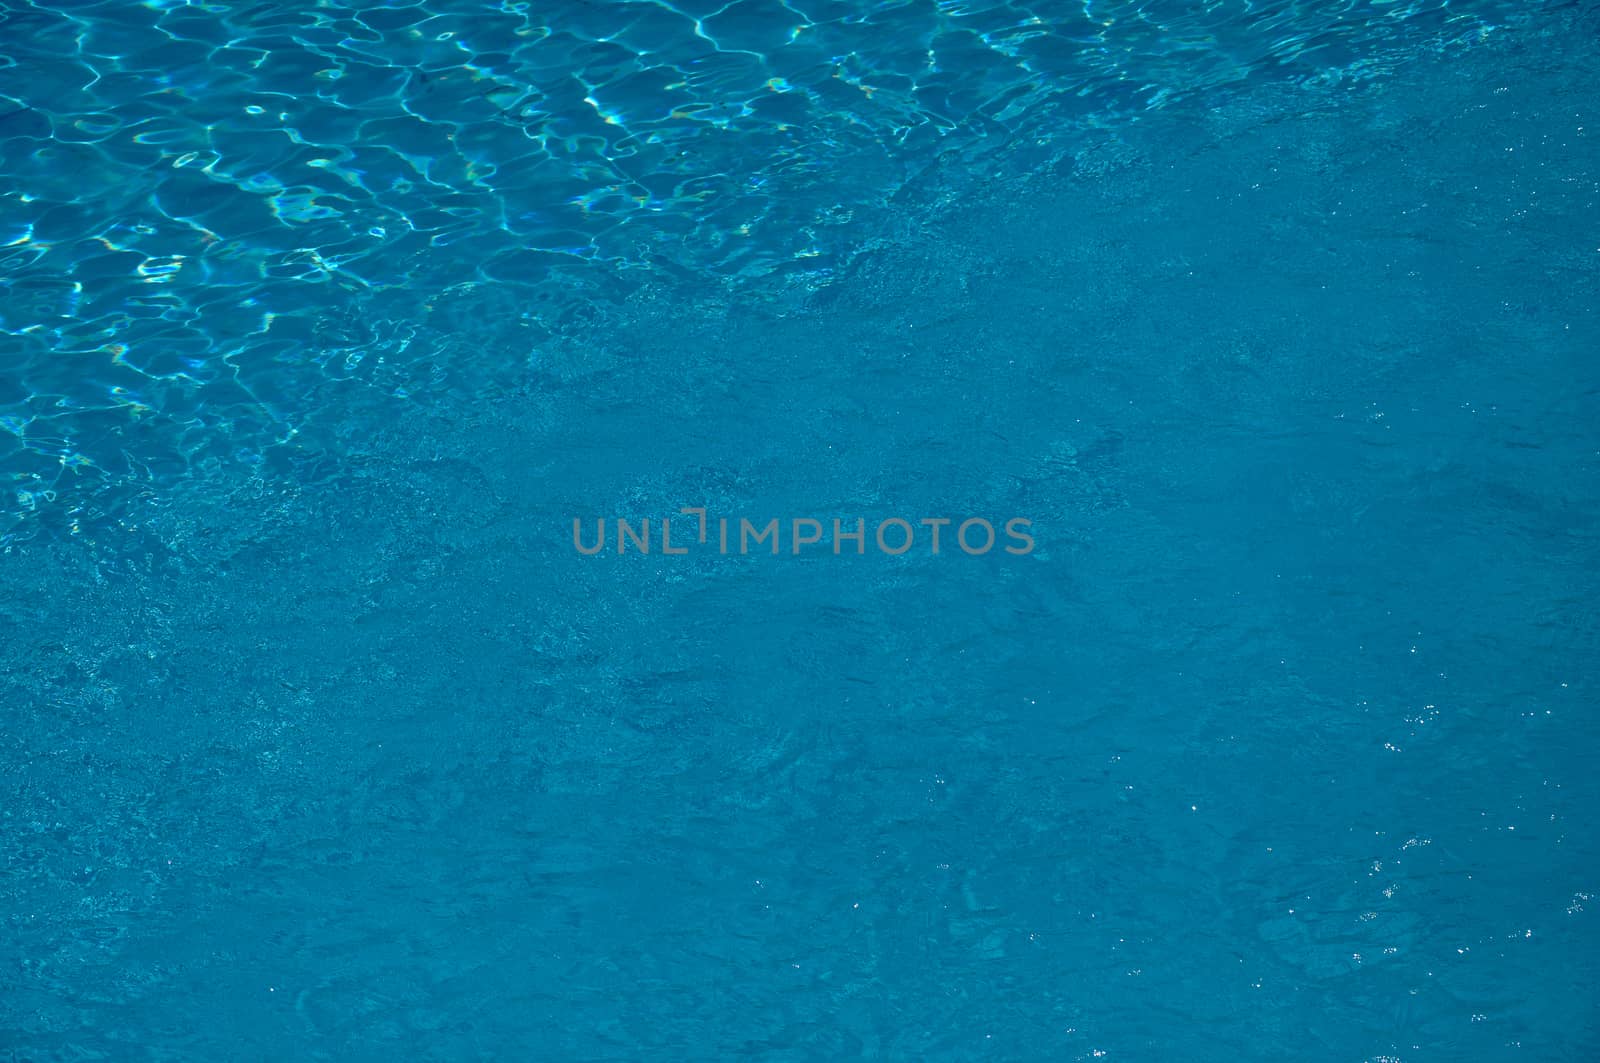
215, 219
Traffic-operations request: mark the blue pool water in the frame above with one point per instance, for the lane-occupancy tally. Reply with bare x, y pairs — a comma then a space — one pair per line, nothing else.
320, 325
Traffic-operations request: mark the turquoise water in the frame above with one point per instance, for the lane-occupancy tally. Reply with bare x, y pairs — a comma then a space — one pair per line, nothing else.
321, 324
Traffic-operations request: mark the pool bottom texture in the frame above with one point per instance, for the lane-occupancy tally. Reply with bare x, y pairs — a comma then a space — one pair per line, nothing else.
1280, 744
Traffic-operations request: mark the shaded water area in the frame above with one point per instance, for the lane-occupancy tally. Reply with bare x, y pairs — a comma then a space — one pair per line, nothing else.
319, 740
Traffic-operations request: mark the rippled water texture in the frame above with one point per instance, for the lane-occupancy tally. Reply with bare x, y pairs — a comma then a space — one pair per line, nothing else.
221, 219
319, 325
